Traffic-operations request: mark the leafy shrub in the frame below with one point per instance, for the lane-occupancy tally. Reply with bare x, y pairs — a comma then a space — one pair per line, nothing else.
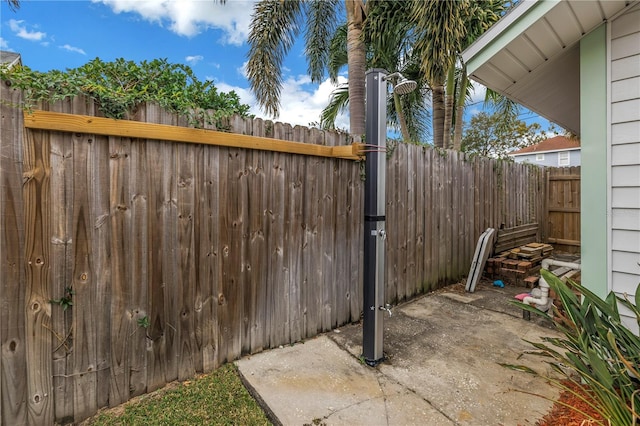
119, 87
602, 353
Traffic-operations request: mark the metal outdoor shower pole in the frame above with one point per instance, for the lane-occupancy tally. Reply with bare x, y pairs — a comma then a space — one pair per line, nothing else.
374, 216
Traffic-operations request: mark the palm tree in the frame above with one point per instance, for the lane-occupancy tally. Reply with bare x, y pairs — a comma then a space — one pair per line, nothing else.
389, 44
445, 28
275, 25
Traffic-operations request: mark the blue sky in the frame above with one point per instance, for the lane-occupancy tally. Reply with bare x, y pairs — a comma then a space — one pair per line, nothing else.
209, 37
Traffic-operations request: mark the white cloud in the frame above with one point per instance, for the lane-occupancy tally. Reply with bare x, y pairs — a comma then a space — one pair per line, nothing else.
300, 104
4, 45
20, 29
191, 17
73, 49
479, 92
193, 59
476, 104
242, 70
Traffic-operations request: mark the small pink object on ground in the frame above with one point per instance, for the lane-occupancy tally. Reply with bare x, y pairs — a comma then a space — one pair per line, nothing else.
521, 296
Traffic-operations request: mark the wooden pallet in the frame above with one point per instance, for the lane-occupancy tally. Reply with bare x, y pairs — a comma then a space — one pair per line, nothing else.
517, 236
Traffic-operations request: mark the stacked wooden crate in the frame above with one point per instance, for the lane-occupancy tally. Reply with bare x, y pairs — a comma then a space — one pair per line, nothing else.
518, 266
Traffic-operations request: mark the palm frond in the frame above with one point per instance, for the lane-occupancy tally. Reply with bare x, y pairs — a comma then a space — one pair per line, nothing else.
273, 30
387, 33
14, 4
417, 114
337, 53
442, 29
338, 103
501, 104
321, 26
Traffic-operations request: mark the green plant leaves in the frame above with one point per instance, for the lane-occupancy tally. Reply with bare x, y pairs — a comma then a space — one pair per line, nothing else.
597, 346
118, 87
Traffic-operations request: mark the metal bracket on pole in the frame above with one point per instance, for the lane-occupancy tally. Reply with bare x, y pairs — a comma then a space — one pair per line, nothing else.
374, 216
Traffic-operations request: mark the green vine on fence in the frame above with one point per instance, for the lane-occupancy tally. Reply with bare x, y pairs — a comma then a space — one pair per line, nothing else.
65, 301
119, 87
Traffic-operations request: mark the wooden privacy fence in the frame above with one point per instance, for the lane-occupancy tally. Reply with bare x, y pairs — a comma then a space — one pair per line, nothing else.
563, 206
438, 204
131, 262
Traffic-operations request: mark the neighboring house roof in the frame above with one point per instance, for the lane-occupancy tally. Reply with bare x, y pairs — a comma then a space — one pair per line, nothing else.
532, 54
558, 143
10, 58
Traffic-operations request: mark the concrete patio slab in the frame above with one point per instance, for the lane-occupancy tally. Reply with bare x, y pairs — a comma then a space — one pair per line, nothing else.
442, 367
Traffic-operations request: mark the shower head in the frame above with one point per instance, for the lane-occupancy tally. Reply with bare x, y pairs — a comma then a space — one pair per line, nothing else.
403, 86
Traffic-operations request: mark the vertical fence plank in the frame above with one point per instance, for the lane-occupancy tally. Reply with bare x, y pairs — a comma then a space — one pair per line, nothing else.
207, 237
120, 208
138, 279
38, 339
156, 331
82, 280
13, 368
233, 269
281, 131
293, 236
403, 237
412, 184
62, 247
311, 273
420, 207
170, 254
430, 201
392, 223
256, 248
334, 303
329, 241
186, 261
355, 236
201, 235
452, 240
98, 179
224, 316
278, 309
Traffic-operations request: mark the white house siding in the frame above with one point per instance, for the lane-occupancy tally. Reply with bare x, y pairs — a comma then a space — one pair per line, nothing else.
550, 158
625, 154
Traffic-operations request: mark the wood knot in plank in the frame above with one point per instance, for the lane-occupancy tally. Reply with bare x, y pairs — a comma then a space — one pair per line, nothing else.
183, 183
221, 299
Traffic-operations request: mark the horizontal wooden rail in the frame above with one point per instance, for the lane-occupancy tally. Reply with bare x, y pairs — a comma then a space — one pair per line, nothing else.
46, 120
564, 209
563, 241
564, 177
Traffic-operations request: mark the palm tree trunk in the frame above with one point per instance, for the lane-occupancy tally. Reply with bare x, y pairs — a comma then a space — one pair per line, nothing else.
448, 107
356, 68
437, 103
457, 134
401, 118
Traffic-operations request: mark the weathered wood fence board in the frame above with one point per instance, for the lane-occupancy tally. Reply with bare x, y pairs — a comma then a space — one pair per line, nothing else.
458, 199
563, 223
13, 368
180, 257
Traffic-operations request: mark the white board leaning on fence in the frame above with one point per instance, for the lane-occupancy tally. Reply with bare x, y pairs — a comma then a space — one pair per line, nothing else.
483, 248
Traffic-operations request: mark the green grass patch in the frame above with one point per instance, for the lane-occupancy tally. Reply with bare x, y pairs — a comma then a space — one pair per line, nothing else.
218, 398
